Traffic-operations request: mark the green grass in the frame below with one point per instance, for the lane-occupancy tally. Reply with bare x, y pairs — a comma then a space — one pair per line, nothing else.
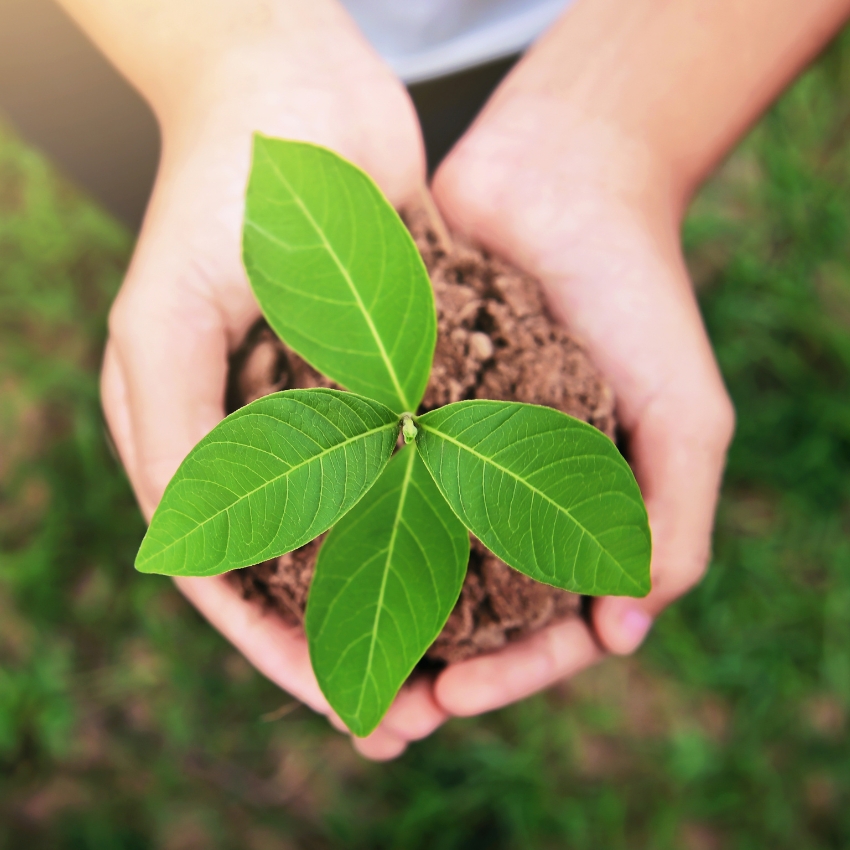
125, 722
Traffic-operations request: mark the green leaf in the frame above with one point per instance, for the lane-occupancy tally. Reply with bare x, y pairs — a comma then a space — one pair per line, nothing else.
268, 479
387, 578
337, 274
549, 494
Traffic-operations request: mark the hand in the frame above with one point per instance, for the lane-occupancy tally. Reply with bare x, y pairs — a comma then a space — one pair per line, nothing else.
579, 170
186, 302
588, 213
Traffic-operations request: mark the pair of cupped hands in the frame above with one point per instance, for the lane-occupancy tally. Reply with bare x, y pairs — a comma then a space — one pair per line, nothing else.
578, 204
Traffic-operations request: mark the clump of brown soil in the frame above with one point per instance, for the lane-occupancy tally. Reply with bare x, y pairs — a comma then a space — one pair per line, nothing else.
495, 340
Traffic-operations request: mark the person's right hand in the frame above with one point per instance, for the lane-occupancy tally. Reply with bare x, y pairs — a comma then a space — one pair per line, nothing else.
186, 302
559, 205
579, 170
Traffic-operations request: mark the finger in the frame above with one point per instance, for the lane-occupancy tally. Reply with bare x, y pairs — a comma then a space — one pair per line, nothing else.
336, 721
415, 713
517, 671
627, 294
679, 447
184, 303
278, 651
381, 745
116, 408
172, 352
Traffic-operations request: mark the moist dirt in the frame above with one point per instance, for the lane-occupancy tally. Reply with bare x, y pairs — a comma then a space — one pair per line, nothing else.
495, 340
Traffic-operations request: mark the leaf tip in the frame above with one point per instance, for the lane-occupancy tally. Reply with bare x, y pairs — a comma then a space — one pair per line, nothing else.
639, 583
644, 588
361, 729
142, 565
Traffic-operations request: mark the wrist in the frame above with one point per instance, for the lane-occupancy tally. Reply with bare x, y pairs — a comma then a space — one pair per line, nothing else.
188, 57
166, 48
537, 174
250, 71
326, 87
677, 81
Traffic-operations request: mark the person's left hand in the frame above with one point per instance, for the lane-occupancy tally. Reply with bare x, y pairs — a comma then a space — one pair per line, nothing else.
186, 301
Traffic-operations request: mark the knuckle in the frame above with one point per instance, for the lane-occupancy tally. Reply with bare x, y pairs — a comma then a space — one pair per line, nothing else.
419, 727
689, 573
720, 419
464, 185
708, 418
120, 320
693, 573
551, 655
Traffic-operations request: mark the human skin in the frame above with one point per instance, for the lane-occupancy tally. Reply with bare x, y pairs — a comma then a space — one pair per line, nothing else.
215, 72
579, 170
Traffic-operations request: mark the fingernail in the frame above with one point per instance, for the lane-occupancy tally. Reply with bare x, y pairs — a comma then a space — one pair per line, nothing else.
635, 624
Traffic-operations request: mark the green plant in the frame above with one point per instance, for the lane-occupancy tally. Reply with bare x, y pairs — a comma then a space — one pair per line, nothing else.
340, 280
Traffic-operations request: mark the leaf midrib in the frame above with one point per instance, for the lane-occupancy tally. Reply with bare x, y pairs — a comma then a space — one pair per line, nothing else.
268, 483
531, 487
402, 396
408, 474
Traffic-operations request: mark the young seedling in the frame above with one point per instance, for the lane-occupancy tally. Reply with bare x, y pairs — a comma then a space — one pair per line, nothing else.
340, 280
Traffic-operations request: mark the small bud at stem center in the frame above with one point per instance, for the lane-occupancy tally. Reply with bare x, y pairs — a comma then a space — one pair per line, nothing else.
408, 429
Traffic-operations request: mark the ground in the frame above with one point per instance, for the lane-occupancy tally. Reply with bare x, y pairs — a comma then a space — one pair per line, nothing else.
125, 722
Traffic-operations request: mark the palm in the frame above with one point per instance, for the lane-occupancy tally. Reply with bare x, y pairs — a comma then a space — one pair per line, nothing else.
617, 279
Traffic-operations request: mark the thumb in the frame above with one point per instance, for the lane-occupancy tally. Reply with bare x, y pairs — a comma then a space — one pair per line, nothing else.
163, 383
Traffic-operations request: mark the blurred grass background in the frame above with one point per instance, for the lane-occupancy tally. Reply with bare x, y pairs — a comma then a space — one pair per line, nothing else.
127, 723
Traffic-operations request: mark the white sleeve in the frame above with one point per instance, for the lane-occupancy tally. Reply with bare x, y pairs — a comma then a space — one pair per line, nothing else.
423, 39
